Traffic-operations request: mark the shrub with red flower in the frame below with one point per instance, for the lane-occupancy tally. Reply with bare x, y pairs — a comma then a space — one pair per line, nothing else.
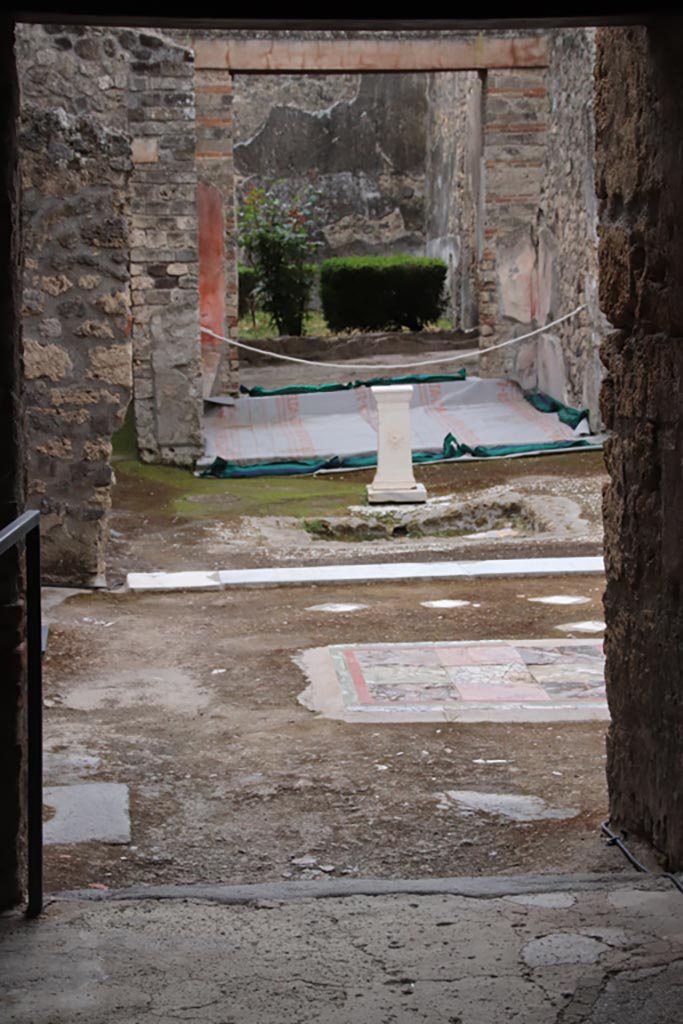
277, 239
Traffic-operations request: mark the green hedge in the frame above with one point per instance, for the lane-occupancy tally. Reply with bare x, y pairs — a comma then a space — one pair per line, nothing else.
382, 292
245, 291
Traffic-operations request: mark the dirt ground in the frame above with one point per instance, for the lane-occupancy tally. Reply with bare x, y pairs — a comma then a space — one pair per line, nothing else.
167, 519
191, 699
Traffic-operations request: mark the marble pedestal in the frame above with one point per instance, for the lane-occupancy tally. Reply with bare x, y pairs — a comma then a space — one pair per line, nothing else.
394, 480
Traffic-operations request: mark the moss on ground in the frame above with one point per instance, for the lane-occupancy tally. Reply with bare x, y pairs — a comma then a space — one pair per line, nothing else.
169, 491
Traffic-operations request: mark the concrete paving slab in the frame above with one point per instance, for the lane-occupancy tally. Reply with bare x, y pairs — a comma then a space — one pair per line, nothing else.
87, 811
368, 573
468, 954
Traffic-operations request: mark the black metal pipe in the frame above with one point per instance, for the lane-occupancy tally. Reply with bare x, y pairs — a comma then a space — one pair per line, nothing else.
17, 530
35, 724
26, 527
614, 840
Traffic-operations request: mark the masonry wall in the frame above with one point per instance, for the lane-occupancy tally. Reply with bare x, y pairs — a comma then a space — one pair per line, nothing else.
453, 215
515, 131
540, 259
77, 350
217, 229
75, 168
639, 78
359, 138
12, 496
164, 258
568, 228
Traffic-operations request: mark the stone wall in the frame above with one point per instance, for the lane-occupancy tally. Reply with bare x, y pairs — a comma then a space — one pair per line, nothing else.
12, 497
453, 186
540, 260
567, 231
77, 350
639, 78
167, 368
217, 228
515, 127
359, 138
142, 85
112, 300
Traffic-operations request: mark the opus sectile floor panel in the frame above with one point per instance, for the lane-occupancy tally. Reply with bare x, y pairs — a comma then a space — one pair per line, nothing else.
549, 675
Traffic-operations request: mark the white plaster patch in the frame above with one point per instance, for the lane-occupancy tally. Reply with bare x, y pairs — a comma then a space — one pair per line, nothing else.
563, 948
336, 607
514, 806
87, 811
173, 581
589, 626
492, 534
444, 603
560, 599
552, 900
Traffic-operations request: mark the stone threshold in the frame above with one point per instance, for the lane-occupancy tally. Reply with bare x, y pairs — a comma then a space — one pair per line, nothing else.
482, 887
366, 573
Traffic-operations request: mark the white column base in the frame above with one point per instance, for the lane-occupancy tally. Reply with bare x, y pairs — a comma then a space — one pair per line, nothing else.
394, 481
396, 495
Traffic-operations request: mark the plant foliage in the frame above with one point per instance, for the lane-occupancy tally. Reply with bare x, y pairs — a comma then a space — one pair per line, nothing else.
382, 292
276, 235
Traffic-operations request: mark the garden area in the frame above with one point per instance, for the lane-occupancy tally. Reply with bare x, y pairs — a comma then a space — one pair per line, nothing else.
285, 289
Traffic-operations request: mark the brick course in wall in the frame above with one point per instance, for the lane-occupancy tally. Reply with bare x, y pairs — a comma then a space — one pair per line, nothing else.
217, 228
515, 114
160, 102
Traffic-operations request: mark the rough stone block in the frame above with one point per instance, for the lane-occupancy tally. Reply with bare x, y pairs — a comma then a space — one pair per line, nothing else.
145, 150
51, 361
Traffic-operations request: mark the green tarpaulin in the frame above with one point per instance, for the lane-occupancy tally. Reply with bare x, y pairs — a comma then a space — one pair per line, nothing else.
311, 389
451, 451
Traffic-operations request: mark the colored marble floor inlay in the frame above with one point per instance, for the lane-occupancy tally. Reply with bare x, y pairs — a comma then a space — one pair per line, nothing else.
521, 680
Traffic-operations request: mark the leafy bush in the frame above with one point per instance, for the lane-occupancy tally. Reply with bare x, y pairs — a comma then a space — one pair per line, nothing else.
246, 297
277, 236
382, 292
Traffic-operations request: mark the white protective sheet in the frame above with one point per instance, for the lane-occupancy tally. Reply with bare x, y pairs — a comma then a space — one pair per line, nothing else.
476, 411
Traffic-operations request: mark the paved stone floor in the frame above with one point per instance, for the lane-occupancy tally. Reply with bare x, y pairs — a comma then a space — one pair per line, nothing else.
524, 950
489, 680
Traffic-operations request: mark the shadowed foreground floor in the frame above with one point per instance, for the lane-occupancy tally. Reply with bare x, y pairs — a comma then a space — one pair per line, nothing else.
532, 949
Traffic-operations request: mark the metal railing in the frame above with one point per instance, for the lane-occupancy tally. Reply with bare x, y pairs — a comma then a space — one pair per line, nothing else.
26, 528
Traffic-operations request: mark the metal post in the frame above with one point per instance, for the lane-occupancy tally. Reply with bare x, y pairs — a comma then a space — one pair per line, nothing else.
35, 724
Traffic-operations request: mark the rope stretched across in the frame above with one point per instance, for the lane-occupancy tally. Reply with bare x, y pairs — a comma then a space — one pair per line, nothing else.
461, 356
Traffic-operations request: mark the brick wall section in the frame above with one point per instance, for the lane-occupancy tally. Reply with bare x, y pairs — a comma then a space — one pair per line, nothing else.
141, 84
164, 255
77, 350
215, 171
515, 126
453, 186
639, 78
12, 496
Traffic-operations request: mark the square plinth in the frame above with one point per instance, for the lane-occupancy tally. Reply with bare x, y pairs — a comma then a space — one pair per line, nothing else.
396, 495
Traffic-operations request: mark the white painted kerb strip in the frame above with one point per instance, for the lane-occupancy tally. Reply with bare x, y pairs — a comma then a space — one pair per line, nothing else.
371, 573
